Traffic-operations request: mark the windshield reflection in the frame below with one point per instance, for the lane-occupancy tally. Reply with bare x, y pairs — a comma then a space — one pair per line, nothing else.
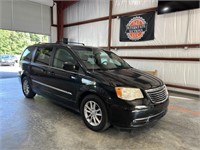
99, 59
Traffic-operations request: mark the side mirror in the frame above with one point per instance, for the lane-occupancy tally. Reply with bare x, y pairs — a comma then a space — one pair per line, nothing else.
69, 66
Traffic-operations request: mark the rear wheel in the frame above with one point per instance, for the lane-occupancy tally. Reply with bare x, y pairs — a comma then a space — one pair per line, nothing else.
26, 88
94, 113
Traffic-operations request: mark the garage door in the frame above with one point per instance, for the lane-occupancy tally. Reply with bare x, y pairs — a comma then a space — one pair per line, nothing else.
25, 16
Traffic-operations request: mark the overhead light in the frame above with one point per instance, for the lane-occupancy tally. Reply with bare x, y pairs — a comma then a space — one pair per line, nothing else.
165, 9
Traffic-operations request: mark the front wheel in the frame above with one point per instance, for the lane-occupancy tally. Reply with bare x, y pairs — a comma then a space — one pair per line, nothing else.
26, 88
94, 113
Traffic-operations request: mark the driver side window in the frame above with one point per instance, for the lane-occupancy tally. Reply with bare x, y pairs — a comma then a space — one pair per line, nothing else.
61, 56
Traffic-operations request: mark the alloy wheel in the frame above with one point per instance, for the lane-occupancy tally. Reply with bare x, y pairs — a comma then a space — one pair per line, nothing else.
93, 113
26, 87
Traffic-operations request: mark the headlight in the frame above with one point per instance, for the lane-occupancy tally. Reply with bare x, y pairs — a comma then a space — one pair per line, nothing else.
128, 94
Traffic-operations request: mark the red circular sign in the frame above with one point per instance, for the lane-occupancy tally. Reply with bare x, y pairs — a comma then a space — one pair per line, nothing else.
136, 28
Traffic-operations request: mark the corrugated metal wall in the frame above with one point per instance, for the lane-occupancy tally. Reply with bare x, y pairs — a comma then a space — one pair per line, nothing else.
175, 28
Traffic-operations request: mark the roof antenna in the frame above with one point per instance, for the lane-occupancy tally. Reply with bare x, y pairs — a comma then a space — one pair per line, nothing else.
65, 41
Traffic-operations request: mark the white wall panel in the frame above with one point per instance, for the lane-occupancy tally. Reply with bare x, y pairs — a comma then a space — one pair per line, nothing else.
25, 16
86, 9
71, 14
174, 72
184, 91
53, 38
175, 28
55, 13
93, 34
72, 33
175, 53
122, 6
194, 26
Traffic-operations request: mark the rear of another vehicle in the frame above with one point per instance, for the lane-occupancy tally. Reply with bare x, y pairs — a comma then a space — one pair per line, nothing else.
7, 60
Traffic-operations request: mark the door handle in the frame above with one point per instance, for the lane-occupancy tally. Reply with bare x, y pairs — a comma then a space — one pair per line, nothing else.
72, 77
52, 73
43, 70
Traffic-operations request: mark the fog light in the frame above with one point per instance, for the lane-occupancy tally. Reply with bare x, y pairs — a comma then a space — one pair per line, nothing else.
141, 107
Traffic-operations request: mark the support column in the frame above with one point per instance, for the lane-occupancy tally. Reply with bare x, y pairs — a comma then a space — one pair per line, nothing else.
110, 24
60, 20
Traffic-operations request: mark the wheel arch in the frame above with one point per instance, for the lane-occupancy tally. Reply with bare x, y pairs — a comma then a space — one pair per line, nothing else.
22, 76
105, 122
102, 94
83, 95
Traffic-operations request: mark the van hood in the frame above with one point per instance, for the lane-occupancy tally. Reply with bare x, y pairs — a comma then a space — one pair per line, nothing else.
128, 78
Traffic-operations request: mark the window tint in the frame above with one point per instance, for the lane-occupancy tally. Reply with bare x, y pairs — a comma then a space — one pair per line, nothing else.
99, 59
43, 55
27, 54
61, 56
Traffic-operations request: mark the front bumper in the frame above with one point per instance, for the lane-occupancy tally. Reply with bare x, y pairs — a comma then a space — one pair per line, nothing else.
146, 120
6, 63
137, 116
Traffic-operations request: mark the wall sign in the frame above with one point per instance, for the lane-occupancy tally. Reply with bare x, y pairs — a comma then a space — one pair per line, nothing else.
137, 28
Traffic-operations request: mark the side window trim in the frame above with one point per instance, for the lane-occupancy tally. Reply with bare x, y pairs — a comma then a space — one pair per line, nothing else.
33, 55
52, 56
31, 49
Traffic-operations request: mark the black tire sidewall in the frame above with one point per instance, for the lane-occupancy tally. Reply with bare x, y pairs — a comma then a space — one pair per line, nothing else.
31, 94
104, 122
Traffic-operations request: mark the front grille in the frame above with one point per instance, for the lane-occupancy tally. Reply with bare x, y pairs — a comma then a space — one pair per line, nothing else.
158, 95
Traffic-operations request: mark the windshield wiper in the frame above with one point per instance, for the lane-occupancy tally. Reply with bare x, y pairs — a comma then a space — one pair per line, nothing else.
117, 68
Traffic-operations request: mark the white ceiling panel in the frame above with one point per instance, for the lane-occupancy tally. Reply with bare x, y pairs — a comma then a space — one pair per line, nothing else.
44, 2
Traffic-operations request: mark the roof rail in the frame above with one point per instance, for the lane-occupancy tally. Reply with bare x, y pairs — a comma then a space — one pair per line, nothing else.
65, 41
42, 43
76, 43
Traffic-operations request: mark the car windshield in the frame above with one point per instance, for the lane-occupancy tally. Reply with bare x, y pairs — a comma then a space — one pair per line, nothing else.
99, 59
5, 56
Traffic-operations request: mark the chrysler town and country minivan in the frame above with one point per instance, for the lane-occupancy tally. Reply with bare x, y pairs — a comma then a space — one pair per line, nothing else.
95, 82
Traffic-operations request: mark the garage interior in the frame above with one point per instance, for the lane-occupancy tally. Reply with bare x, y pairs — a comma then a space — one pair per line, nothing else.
173, 56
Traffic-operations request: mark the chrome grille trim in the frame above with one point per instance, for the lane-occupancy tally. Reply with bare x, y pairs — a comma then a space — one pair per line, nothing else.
157, 95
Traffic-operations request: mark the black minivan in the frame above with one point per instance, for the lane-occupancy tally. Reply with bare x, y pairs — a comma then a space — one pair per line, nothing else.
95, 82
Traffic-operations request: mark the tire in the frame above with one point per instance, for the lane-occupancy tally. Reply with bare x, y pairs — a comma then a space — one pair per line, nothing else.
26, 88
94, 113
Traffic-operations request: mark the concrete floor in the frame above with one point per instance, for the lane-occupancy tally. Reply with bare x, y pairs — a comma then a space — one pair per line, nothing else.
39, 124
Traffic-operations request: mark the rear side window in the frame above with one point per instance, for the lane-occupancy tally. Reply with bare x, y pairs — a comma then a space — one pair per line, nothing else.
43, 55
27, 54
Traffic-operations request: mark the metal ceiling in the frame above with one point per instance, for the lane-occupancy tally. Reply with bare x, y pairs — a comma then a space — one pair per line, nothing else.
44, 2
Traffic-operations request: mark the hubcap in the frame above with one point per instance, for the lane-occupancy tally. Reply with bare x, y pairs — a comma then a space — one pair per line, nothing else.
26, 87
93, 113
